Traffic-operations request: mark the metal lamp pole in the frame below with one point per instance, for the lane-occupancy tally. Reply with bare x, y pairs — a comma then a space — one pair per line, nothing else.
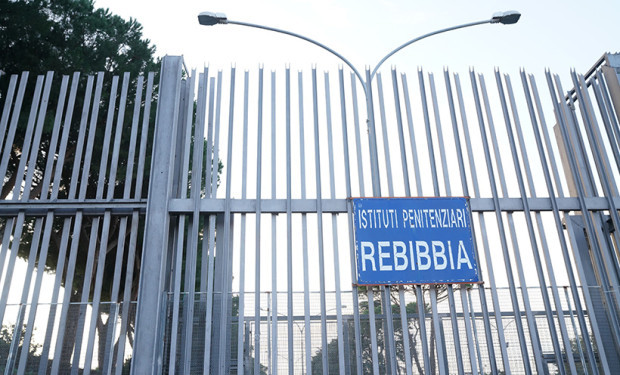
506, 18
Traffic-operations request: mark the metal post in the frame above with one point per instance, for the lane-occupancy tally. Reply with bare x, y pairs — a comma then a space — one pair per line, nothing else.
148, 329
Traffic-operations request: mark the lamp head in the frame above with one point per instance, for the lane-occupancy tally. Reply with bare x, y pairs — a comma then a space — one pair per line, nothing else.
211, 18
507, 18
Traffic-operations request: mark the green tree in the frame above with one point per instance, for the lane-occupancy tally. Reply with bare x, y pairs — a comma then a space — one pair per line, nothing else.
70, 35
66, 36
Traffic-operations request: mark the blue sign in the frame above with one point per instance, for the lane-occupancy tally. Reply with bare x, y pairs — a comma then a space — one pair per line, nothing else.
414, 241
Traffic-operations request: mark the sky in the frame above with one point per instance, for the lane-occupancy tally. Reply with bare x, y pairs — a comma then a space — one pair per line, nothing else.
558, 35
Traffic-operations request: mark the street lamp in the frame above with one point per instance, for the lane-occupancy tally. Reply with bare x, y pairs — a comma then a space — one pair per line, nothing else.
505, 18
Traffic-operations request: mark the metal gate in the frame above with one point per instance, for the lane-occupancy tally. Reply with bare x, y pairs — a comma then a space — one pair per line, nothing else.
244, 242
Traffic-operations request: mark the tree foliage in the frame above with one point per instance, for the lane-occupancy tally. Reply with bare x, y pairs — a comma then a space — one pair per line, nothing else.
67, 36
70, 35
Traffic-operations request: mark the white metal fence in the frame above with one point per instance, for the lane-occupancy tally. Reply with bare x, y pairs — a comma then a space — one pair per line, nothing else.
241, 255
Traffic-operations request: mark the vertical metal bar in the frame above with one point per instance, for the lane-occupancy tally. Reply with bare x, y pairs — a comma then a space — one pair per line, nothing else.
135, 122
53, 306
6, 110
473, 323
289, 227
485, 242
386, 147
92, 248
594, 135
414, 149
32, 158
387, 305
437, 325
67, 222
228, 247
466, 316
274, 240
319, 214
603, 168
42, 108
213, 220
150, 299
117, 140
401, 134
442, 155
530, 226
36, 141
436, 191
49, 171
614, 132
503, 239
332, 190
373, 330
372, 137
144, 135
358, 142
541, 232
21, 168
183, 136
429, 136
196, 185
204, 277
468, 329
437, 320
360, 172
134, 228
91, 139
19, 320
181, 249
37, 289
582, 191
48, 228
304, 228
212, 162
481, 290
75, 239
259, 164
575, 333
65, 307
422, 321
103, 250
403, 157
120, 247
10, 136
244, 172
419, 192
609, 122
598, 240
602, 165
549, 183
560, 229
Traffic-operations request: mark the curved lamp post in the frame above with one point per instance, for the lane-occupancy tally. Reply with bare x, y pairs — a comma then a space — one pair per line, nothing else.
505, 18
